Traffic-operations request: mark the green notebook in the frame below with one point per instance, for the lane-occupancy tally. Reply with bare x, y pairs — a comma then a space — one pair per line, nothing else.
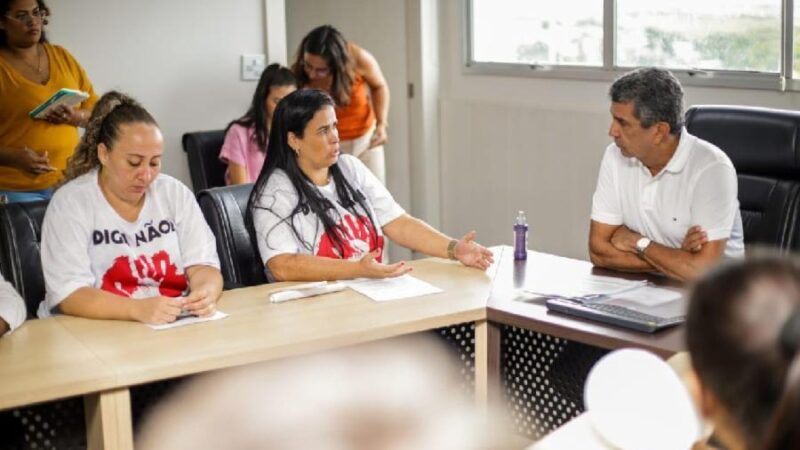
69, 97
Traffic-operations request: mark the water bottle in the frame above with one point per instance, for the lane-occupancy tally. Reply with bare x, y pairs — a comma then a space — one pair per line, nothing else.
521, 237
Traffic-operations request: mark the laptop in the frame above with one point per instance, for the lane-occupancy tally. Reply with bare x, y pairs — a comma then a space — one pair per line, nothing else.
647, 309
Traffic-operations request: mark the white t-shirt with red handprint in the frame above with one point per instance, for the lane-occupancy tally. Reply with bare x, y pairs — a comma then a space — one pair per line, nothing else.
85, 243
273, 225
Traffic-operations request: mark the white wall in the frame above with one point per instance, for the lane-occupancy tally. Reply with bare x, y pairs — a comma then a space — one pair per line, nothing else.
179, 58
422, 36
512, 143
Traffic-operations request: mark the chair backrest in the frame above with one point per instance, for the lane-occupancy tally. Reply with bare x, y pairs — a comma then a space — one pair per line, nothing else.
20, 261
764, 148
202, 149
225, 210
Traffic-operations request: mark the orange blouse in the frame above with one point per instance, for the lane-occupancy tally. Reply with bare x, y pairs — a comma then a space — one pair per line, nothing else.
358, 117
17, 130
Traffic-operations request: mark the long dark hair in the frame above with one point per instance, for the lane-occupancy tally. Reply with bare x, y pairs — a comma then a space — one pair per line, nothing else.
743, 333
5, 6
273, 76
292, 115
329, 44
113, 110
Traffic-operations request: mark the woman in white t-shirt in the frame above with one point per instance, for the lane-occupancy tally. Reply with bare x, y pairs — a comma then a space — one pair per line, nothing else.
319, 215
12, 307
119, 239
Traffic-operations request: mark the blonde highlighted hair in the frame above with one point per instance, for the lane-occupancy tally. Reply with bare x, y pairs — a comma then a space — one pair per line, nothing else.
111, 111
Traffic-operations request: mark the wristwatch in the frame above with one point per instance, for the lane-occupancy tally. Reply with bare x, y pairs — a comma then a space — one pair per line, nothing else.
451, 249
641, 246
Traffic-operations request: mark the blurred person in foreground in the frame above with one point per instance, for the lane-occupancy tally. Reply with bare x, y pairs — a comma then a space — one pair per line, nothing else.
398, 394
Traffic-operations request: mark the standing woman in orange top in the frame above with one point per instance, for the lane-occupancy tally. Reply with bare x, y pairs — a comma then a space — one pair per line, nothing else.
33, 153
352, 76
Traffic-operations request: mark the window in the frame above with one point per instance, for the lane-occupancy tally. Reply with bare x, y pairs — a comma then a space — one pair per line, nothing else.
740, 35
796, 49
561, 33
710, 42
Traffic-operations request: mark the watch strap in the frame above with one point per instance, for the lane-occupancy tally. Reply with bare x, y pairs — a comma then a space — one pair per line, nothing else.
451, 249
641, 246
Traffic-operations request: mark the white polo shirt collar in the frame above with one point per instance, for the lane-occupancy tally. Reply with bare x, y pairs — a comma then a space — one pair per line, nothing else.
677, 163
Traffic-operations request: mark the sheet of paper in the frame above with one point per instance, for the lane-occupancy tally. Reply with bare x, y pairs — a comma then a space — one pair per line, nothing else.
556, 286
649, 296
189, 320
386, 289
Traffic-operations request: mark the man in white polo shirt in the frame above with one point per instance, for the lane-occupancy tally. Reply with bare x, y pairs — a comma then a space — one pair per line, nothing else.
666, 201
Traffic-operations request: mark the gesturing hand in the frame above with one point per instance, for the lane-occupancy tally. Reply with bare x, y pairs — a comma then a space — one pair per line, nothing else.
472, 254
157, 310
694, 240
370, 268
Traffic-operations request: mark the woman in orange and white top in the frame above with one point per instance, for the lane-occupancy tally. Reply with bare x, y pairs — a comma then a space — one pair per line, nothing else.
352, 76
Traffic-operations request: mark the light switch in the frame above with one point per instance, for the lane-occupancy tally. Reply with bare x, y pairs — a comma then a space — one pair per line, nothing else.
252, 66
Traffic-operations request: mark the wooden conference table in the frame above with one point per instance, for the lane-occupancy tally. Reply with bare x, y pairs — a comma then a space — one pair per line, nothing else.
63, 357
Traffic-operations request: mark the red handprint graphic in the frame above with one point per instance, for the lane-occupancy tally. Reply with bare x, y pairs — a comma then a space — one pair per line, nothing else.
359, 238
125, 277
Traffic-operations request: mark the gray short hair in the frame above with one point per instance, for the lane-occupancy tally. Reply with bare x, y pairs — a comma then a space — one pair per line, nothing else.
656, 94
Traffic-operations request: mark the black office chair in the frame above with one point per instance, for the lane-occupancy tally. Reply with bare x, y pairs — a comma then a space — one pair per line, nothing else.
763, 146
225, 209
20, 239
202, 149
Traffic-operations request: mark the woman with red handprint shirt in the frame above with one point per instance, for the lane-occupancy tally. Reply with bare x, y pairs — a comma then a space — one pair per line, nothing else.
319, 215
120, 240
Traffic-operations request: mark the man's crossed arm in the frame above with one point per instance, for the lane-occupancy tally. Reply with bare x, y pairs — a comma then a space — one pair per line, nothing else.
614, 247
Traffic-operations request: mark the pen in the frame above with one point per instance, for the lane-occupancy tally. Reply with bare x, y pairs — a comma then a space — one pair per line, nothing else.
291, 294
302, 286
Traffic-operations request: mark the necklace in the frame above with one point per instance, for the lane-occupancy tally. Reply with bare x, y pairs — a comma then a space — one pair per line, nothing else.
38, 68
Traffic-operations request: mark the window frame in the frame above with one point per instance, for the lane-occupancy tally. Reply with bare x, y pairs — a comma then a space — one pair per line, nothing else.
780, 81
